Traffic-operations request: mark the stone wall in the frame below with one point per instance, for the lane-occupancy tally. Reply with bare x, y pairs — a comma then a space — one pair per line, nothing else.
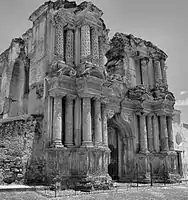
18, 137
14, 64
180, 133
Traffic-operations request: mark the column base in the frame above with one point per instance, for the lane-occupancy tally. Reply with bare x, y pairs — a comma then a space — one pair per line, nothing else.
87, 144
164, 151
57, 144
144, 152
98, 144
69, 144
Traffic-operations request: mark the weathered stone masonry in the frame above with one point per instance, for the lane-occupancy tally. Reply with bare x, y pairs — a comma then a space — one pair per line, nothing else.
99, 120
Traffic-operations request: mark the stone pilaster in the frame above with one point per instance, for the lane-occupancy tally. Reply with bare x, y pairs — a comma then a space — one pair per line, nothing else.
57, 122
69, 121
85, 42
69, 51
170, 133
156, 133
86, 117
158, 72
101, 53
98, 122
150, 133
104, 126
59, 40
163, 134
95, 46
143, 134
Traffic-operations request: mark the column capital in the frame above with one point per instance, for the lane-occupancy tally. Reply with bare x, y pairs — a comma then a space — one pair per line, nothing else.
110, 113
70, 97
56, 94
151, 114
140, 113
97, 98
161, 113
59, 20
144, 61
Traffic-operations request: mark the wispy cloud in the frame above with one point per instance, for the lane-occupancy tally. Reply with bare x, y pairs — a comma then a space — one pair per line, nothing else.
183, 102
183, 92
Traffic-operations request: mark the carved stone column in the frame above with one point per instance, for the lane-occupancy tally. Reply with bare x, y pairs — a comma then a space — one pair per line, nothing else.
104, 126
69, 121
170, 133
164, 134
143, 134
150, 133
95, 46
101, 52
144, 68
98, 122
156, 133
150, 74
130, 72
49, 118
85, 42
77, 122
59, 40
69, 51
164, 68
86, 116
57, 122
158, 72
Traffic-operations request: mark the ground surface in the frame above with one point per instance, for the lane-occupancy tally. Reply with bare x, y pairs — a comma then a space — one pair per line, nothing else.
158, 192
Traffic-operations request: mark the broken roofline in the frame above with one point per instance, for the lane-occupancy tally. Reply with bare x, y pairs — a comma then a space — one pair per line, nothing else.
134, 42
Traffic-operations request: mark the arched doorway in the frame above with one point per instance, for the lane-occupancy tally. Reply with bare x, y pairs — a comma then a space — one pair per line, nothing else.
113, 146
120, 142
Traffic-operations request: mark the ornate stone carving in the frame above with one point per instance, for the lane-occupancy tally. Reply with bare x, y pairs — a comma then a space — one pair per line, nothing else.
144, 63
59, 38
128, 117
85, 43
60, 68
161, 93
139, 93
95, 45
69, 52
110, 113
40, 90
87, 69
115, 70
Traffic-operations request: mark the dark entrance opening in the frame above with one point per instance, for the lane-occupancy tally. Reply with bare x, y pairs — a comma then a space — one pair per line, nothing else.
179, 160
113, 146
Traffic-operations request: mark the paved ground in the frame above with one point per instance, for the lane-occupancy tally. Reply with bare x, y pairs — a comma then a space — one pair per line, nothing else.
158, 192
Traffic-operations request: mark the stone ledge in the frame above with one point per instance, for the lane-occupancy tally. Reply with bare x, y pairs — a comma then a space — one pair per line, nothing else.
19, 118
11, 188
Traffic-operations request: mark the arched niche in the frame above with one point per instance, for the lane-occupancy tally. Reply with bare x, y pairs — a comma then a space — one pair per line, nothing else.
18, 87
121, 144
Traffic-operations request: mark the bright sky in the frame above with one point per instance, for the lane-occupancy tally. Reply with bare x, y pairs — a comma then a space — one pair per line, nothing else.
163, 22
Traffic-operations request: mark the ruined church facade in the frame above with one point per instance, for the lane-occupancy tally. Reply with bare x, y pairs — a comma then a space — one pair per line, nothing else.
105, 105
